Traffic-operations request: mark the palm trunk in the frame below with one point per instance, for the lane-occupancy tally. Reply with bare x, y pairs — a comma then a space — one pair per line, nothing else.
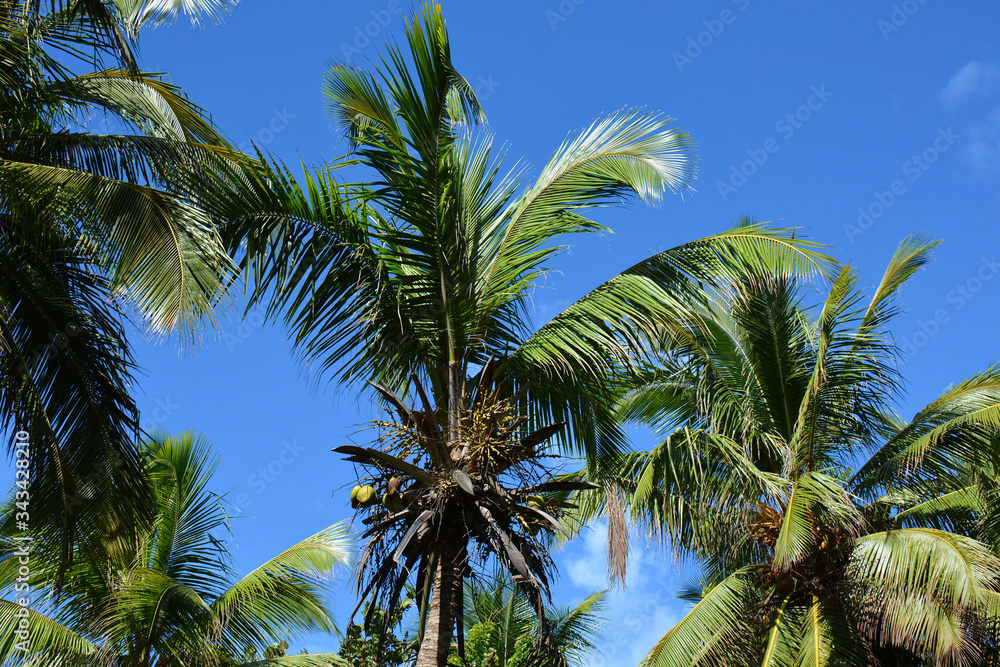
446, 596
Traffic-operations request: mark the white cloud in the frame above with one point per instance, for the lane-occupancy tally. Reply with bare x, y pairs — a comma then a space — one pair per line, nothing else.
974, 80
983, 154
590, 570
644, 611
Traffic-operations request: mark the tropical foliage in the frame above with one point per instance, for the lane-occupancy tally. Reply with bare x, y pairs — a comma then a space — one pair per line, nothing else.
422, 280
380, 646
829, 530
504, 629
172, 597
98, 228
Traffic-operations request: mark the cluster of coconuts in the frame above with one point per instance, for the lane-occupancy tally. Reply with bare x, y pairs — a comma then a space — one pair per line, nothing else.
366, 496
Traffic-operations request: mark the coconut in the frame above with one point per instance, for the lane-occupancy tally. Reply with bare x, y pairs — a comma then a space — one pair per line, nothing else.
392, 501
366, 494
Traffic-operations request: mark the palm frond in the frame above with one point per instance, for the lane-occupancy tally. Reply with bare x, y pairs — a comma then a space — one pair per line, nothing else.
944, 441
285, 594
166, 255
911, 256
145, 101
917, 584
306, 660
138, 13
714, 624
815, 495
63, 645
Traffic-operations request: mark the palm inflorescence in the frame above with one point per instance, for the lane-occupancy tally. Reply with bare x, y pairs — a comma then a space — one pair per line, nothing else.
432, 492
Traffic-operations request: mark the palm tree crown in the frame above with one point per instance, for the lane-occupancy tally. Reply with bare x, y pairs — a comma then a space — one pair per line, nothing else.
502, 627
96, 229
420, 283
809, 558
172, 597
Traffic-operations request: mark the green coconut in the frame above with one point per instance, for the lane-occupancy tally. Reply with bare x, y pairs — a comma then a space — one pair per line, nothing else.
354, 497
366, 494
393, 501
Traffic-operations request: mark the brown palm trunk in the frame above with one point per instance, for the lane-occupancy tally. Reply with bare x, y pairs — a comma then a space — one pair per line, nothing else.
445, 604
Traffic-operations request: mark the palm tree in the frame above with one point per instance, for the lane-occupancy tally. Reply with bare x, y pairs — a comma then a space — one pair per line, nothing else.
97, 229
829, 530
503, 626
420, 282
486, 489
171, 598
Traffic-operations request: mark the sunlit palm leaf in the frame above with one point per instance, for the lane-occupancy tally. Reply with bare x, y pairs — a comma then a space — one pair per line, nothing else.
285, 593
64, 646
167, 256
714, 624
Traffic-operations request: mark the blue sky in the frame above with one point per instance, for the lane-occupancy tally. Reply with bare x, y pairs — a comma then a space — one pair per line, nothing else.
859, 121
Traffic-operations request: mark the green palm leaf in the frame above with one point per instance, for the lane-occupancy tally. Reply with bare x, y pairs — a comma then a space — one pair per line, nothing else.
713, 624
308, 660
283, 594
96, 230
64, 646
815, 495
167, 255
168, 595
918, 582
766, 403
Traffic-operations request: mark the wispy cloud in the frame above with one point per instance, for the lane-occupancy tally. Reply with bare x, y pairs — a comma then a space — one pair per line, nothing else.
546, 309
983, 154
974, 80
641, 614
